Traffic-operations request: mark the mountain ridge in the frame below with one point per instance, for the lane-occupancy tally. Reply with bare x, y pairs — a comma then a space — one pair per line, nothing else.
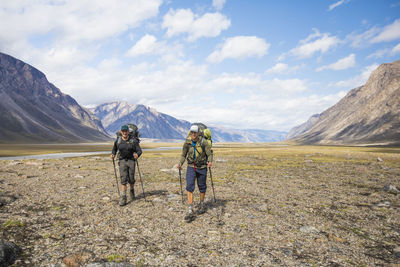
156, 125
369, 114
33, 110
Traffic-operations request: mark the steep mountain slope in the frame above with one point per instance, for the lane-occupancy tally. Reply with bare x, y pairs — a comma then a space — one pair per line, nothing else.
369, 114
302, 128
153, 124
34, 110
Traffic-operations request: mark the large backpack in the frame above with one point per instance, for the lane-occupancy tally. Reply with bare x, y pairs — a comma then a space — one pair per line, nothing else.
133, 133
204, 132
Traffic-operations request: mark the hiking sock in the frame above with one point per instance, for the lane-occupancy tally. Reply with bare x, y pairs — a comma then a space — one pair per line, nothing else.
123, 199
132, 194
201, 209
190, 209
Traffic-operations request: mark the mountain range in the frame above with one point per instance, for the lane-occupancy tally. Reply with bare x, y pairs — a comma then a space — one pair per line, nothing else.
369, 114
35, 111
32, 110
156, 125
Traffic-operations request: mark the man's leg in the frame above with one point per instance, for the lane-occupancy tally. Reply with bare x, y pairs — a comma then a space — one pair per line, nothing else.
202, 184
123, 170
132, 179
190, 185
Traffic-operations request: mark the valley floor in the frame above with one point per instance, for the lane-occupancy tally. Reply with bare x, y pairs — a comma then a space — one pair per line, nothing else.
276, 205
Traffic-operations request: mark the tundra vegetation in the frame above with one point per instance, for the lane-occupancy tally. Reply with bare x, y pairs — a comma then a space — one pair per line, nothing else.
277, 204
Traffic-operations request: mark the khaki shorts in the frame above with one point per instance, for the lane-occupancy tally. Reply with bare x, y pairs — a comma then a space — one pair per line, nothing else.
127, 171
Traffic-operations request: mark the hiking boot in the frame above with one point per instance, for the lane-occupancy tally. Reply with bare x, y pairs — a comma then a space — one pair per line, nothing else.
132, 194
201, 209
190, 215
123, 201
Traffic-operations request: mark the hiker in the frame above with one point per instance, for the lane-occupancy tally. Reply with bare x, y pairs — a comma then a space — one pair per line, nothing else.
199, 155
129, 151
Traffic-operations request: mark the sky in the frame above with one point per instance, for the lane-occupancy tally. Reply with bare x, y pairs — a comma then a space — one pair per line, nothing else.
237, 64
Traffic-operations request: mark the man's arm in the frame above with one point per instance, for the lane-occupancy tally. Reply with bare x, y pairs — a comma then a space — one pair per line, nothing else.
114, 150
138, 150
185, 150
209, 153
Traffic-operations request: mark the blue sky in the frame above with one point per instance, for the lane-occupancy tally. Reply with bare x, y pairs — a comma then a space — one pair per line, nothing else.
237, 64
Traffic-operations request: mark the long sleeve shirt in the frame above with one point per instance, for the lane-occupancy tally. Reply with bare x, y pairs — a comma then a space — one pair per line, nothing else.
126, 148
198, 153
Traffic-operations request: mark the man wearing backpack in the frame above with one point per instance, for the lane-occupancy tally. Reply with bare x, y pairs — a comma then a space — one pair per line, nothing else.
129, 151
199, 155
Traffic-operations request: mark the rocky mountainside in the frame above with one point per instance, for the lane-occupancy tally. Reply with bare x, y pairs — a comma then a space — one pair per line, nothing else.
151, 124
156, 125
34, 110
302, 128
369, 114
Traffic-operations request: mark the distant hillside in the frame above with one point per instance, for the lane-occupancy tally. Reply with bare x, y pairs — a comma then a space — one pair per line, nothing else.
34, 110
302, 128
156, 125
369, 114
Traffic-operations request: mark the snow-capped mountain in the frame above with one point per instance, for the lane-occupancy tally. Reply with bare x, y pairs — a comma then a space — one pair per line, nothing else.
157, 125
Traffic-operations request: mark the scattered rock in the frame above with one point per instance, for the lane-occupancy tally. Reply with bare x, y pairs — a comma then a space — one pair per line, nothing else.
173, 170
34, 163
379, 159
8, 253
77, 259
173, 196
6, 199
396, 252
385, 204
309, 229
13, 163
110, 264
391, 189
78, 176
106, 198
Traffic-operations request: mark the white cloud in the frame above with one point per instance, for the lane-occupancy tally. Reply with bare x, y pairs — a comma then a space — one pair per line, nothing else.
389, 33
239, 47
334, 5
360, 40
183, 21
379, 53
396, 49
75, 20
278, 68
358, 80
146, 45
341, 64
282, 68
315, 42
218, 4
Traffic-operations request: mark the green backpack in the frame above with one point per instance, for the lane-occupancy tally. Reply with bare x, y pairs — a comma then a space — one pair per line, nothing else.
204, 132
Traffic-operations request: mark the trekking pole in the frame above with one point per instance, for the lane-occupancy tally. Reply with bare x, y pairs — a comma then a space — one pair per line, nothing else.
116, 178
212, 185
140, 176
180, 180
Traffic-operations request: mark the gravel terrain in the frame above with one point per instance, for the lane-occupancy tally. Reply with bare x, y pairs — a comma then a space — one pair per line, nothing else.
289, 206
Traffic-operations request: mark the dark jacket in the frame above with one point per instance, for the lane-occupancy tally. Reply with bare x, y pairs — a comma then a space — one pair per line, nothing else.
126, 148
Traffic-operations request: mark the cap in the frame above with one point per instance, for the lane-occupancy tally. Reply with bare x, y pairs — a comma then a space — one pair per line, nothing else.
194, 128
124, 128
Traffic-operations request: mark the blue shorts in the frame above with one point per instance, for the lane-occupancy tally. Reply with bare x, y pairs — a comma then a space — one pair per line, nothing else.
200, 175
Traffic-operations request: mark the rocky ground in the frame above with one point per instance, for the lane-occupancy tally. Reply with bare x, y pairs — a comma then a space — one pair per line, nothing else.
288, 206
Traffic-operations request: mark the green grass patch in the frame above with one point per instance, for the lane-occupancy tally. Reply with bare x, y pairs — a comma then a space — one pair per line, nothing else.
115, 258
12, 223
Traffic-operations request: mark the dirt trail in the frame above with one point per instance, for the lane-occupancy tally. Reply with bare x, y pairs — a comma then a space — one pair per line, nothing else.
282, 206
